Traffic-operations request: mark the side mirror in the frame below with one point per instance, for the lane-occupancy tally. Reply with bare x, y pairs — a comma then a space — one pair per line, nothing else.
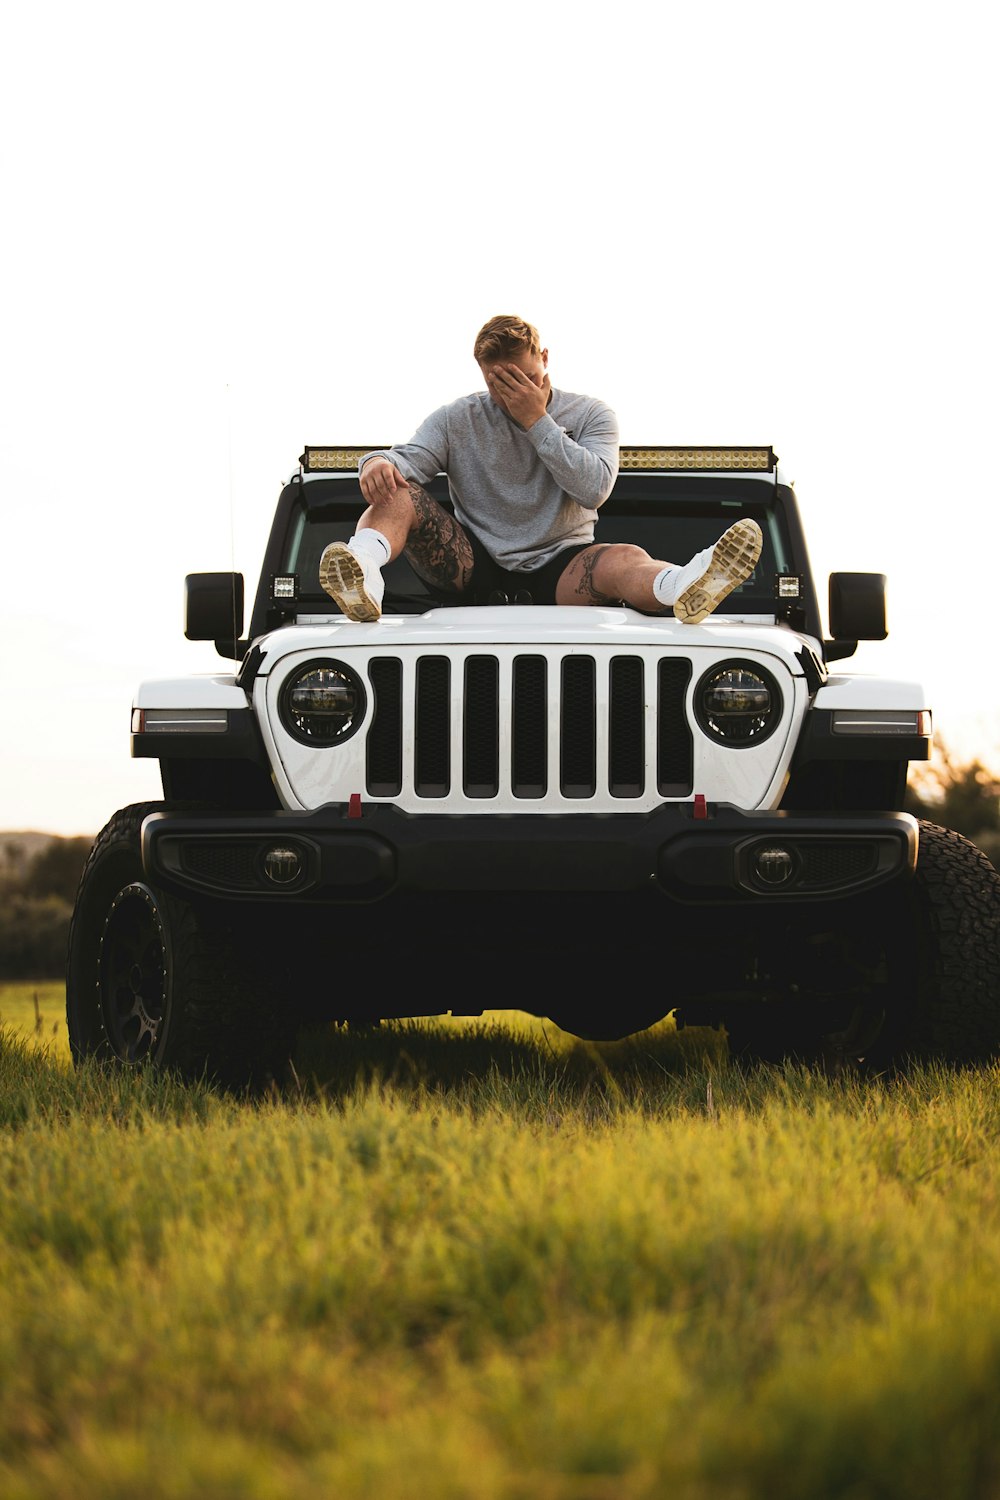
857, 607
213, 607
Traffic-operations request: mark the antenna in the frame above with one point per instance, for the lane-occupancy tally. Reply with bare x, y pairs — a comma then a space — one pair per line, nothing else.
232, 507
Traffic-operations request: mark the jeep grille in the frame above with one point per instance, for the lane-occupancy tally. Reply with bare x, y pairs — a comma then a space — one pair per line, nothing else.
548, 712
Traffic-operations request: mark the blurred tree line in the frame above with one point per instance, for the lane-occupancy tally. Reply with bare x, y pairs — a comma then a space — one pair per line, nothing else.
964, 796
37, 890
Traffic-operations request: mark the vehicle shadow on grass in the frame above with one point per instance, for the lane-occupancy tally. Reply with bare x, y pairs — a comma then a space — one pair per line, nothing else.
504, 1060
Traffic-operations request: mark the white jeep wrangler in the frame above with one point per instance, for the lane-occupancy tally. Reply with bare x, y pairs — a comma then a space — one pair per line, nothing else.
588, 814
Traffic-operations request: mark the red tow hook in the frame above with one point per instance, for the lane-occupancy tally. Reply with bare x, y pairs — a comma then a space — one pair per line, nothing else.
354, 806
700, 805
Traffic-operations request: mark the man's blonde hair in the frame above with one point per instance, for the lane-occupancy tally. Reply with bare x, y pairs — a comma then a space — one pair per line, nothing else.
503, 336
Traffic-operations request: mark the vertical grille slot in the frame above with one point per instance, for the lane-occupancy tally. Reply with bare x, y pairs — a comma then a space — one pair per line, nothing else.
578, 729
481, 727
384, 748
674, 744
626, 728
432, 769
529, 728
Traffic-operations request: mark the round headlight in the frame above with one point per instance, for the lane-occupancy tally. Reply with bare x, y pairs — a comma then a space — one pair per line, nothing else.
323, 703
738, 703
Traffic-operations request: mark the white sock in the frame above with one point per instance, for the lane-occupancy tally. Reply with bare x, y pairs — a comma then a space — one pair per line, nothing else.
669, 585
373, 542
665, 584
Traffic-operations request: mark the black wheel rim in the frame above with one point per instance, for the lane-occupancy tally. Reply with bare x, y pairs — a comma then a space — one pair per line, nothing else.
134, 974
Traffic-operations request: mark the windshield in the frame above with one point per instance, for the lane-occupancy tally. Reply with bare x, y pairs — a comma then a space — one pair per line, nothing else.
672, 527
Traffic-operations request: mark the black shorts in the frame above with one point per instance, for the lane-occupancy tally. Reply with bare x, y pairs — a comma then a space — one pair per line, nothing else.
492, 584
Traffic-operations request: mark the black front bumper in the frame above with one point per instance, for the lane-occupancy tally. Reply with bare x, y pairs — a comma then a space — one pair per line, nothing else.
694, 855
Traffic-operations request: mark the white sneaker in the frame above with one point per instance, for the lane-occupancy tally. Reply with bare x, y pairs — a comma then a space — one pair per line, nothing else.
707, 579
354, 580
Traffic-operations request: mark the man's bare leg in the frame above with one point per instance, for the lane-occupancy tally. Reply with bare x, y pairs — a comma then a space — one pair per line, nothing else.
612, 573
406, 520
607, 574
351, 572
435, 543
394, 517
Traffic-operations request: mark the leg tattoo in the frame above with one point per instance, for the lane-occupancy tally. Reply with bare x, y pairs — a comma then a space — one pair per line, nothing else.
584, 587
438, 548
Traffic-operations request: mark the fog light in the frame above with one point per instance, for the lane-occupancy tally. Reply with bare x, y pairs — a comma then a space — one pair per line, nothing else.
285, 586
773, 866
282, 865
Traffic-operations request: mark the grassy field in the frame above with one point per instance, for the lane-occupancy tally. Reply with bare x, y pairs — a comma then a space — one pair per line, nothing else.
36, 1013
481, 1261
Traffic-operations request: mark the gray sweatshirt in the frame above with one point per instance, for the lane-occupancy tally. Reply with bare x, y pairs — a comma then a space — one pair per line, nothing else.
525, 494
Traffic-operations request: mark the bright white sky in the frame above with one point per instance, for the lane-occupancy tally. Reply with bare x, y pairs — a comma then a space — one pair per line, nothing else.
231, 230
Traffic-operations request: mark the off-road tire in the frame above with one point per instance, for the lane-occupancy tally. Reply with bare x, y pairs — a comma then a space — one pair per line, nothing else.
946, 994
153, 979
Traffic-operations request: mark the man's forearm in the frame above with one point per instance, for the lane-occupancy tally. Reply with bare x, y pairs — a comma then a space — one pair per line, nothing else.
585, 470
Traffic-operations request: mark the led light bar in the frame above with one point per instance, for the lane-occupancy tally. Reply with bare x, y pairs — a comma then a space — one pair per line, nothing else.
762, 460
759, 460
342, 460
